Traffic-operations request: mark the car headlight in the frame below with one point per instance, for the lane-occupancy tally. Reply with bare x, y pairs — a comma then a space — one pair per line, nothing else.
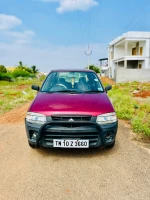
107, 118
35, 118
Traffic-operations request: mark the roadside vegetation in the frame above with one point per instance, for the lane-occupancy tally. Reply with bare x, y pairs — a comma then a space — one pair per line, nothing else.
13, 94
15, 86
132, 103
94, 68
20, 71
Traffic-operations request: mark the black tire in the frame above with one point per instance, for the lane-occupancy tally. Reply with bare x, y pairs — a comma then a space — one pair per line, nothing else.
110, 146
32, 145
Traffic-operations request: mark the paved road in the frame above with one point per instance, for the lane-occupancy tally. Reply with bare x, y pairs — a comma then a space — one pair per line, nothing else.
122, 173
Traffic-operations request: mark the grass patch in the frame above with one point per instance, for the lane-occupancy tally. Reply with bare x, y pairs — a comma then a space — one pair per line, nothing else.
141, 123
129, 108
123, 103
13, 94
5, 76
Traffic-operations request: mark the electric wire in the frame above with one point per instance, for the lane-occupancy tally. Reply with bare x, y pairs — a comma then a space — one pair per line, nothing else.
97, 22
81, 31
100, 5
129, 25
89, 22
139, 20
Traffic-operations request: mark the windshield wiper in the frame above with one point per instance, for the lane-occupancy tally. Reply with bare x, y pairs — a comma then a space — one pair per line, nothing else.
64, 91
93, 91
48, 91
74, 91
69, 91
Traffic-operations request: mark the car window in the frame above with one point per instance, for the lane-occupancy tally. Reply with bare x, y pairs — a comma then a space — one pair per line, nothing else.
74, 81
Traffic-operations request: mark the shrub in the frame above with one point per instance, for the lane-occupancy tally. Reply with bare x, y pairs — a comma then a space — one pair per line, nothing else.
141, 123
5, 77
3, 69
42, 78
24, 68
20, 73
94, 68
123, 103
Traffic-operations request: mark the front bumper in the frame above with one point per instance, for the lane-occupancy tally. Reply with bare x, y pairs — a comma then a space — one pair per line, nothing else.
96, 134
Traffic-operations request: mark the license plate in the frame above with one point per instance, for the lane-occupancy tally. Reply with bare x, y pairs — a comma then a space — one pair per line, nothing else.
71, 143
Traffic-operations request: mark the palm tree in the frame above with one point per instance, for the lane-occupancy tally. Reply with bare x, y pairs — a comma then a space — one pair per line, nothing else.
34, 69
20, 65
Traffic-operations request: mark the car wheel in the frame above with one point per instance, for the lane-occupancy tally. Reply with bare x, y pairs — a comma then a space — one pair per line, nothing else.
110, 145
32, 145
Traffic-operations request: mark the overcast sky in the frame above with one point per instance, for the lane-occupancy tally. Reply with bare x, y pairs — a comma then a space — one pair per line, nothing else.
54, 34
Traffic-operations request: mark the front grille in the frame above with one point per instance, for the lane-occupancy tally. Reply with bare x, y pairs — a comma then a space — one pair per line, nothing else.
71, 118
76, 132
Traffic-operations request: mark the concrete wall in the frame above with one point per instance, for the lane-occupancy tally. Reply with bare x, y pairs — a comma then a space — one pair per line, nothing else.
130, 47
143, 44
131, 35
121, 64
113, 67
147, 63
145, 50
142, 63
119, 51
125, 75
110, 62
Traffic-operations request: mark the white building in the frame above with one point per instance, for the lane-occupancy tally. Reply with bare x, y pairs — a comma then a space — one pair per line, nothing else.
104, 66
130, 51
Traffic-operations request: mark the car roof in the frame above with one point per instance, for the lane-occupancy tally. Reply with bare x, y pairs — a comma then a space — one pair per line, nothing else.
72, 70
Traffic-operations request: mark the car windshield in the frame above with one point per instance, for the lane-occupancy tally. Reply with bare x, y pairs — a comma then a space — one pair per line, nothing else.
72, 82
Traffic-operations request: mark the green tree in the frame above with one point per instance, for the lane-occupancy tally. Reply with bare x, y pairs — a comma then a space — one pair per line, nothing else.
24, 67
94, 68
20, 65
3, 69
27, 69
34, 69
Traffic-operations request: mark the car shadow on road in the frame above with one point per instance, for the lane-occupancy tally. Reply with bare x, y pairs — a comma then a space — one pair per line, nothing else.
85, 153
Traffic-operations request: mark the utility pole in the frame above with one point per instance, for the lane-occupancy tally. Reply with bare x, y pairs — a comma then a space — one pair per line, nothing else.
88, 54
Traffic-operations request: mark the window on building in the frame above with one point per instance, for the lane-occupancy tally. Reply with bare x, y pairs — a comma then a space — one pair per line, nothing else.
141, 51
134, 51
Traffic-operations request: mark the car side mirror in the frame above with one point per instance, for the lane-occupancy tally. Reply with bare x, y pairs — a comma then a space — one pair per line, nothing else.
35, 87
107, 88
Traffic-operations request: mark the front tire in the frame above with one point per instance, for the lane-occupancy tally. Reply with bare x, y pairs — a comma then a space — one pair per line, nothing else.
110, 146
33, 146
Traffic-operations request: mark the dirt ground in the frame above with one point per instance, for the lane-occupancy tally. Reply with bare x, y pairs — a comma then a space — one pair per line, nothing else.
105, 79
21, 87
142, 94
16, 115
122, 173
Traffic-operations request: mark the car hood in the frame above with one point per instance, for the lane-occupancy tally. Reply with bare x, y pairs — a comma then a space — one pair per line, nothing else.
60, 103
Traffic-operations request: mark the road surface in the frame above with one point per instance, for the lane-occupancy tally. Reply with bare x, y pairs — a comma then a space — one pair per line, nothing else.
122, 173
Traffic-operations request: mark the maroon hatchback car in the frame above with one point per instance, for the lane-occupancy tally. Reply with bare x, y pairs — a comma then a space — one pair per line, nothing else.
71, 110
